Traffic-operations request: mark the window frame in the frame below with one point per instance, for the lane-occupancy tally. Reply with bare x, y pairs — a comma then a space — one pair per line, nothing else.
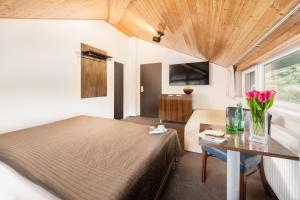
249, 70
282, 106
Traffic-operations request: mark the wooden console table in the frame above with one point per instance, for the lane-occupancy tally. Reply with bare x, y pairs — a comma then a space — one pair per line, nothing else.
237, 143
175, 107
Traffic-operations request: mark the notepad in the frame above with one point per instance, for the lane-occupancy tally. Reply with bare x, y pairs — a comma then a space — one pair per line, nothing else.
215, 136
214, 133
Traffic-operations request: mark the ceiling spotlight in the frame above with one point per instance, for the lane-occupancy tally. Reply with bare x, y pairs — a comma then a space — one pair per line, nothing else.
158, 38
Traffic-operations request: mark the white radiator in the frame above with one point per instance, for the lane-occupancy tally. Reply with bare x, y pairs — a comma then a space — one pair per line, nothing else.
284, 175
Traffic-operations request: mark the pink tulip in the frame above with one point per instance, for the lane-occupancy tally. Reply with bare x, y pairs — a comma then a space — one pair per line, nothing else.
269, 94
256, 93
250, 95
262, 97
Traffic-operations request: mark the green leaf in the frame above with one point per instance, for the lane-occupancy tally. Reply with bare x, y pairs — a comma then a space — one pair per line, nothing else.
258, 106
271, 103
268, 103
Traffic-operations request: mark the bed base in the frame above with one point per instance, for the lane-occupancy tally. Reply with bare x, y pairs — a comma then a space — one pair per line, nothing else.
171, 167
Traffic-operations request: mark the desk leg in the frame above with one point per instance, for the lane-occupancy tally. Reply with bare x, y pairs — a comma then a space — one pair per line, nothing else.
233, 175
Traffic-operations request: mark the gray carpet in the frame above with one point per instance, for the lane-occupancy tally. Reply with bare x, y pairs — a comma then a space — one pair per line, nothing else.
185, 183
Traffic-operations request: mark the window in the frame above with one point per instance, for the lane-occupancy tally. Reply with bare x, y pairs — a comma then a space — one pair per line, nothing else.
249, 80
283, 76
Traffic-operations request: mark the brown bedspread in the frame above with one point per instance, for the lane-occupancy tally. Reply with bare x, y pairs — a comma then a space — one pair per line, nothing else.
88, 158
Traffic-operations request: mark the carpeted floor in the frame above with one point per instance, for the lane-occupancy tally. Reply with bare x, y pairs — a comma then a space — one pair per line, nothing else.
184, 183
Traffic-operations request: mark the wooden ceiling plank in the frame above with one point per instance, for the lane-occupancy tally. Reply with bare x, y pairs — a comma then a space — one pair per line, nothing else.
195, 22
269, 19
233, 11
117, 9
49, 9
245, 23
187, 26
219, 8
288, 33
282, 43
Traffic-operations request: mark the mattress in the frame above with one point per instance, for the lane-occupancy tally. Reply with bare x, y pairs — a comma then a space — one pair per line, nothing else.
89, 158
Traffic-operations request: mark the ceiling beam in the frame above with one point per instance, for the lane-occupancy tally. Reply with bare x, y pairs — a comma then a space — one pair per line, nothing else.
117, 9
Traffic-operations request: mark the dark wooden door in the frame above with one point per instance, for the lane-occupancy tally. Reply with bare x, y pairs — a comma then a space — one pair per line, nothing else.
150, 89
118, 90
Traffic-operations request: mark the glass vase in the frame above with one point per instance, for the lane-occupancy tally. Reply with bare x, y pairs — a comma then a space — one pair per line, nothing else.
259, 127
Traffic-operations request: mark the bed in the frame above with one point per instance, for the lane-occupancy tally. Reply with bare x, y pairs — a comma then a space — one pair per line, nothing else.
86, 158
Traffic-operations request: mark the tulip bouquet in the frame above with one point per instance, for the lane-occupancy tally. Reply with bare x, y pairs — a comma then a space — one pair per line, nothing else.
259, 103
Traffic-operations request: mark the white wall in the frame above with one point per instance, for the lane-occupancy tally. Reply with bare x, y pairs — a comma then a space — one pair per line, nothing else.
211, 96
132, 76
40, 70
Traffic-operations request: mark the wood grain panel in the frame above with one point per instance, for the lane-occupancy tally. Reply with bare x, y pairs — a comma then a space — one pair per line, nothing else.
117, 9
175, 108
220, 31
284, 37
93, 75
58, 9
144, 18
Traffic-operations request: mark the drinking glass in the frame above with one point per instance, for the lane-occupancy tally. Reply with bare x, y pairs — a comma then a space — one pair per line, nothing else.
231, 125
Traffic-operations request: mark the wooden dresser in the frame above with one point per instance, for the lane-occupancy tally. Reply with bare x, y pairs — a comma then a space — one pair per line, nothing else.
175, 107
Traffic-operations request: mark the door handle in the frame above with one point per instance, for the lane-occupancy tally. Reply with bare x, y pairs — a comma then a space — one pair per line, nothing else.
142, 89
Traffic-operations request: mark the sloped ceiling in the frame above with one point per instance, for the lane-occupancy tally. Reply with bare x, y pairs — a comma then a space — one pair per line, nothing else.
281, 39
221, 31
54, 9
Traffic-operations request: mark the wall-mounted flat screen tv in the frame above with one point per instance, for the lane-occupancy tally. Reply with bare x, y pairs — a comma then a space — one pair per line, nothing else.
196, 73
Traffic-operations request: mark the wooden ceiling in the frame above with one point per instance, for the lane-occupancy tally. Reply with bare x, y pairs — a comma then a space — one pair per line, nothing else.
284, 37
221, 31
54, 9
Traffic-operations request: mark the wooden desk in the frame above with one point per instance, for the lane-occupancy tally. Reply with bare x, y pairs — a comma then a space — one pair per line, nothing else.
239, 142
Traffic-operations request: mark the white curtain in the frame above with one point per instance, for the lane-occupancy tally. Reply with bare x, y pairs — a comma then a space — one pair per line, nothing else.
230, 82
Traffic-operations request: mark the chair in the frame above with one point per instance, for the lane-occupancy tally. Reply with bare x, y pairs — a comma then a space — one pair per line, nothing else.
250, 163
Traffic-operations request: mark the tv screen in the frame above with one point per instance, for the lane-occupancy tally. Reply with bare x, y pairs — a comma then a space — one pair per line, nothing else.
189, 74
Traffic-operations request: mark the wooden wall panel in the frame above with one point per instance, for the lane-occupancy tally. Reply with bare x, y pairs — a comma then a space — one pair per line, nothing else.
93, 75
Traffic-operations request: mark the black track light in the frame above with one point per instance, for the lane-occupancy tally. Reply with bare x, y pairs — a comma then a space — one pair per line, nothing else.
158, 38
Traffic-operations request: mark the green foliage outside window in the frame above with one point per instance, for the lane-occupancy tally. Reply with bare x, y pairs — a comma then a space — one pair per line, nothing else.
283, 76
